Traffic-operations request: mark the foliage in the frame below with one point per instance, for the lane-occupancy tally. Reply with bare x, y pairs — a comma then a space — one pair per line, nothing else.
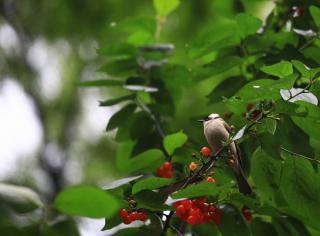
261, 76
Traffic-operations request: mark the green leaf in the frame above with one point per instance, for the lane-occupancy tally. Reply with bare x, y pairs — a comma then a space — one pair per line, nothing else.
67, 226
284, 227
232, 217
247, 24
268, 125
310, 123
216, 67
258, 90
118, 50
302, 68
121, 116
300, 185
173, 141
225, 90
280, 69
114, 101
219, 36
144, 162
20, 199
101, 83
203, 229
265, 172
86, 201
312, 52
315, 13
265, 88
151, 200
270, 145
165, 7
289, 108
121, 67
201, 189
262, 228
299, 226
150, 183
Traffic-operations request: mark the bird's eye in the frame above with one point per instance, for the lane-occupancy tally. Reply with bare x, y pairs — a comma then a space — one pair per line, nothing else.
207, 118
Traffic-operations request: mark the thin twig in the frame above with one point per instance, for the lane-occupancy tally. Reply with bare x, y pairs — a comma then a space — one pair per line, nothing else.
167, 223
156, 123
307, 43
300, 155
176, 230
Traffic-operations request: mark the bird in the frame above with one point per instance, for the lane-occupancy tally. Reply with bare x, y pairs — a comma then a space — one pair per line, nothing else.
217, 133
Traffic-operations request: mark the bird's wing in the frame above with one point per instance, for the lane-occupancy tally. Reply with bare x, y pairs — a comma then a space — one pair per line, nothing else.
228, 128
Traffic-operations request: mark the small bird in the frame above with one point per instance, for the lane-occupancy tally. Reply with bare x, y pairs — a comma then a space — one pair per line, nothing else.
217, 132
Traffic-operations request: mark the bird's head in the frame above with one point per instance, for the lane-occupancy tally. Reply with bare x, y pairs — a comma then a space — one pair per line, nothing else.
209, 118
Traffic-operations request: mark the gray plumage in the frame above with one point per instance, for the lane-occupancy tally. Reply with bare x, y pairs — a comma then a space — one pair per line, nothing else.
217, 131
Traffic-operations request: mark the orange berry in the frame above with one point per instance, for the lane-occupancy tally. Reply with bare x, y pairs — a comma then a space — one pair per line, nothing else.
193, 166
211, 180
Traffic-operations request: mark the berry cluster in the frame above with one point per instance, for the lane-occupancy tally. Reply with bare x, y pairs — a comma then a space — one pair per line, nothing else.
128, 217
247, 215
165, 171
197, 211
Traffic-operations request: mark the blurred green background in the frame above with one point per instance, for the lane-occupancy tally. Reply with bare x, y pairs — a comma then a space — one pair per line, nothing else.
52, 131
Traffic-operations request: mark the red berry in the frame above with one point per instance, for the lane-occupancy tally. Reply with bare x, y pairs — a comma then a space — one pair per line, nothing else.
201, 219
127, 220
176, 204
123, 213
186, 203
165, 171
167, 174
167, 166
192, 220
216, 218
199, 202
205, 151
180, 210
133, 216
247, 215
142, 216
211, 180
160, 172
194, 212
212, 210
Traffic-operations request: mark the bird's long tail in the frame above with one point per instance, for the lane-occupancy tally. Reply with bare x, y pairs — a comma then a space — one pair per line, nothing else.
242, 182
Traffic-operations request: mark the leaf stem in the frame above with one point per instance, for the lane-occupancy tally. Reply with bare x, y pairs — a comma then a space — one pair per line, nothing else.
300, 155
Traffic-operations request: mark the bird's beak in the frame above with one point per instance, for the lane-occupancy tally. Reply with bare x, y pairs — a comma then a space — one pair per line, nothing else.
200, 120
